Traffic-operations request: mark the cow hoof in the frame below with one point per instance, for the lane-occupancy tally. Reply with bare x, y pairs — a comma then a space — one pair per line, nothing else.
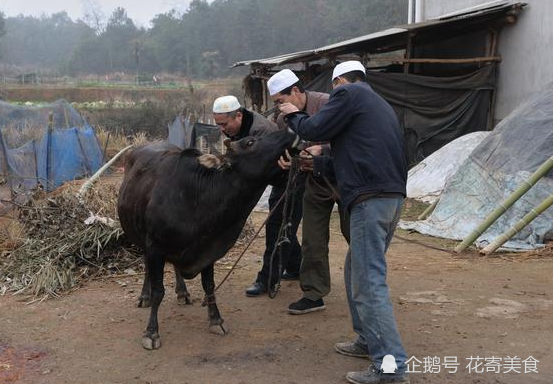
183, 299
151, 342
218, 329
144, 302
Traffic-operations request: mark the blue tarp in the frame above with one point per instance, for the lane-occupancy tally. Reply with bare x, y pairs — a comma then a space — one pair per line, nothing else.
73, 153
36, 156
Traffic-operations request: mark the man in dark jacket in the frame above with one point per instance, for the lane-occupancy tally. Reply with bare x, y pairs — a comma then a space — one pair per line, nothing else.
371, 171
236, 123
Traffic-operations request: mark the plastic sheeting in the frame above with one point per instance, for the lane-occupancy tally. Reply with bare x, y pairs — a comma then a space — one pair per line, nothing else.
432, 111
426, 181
35, 155
506, 158
180, 132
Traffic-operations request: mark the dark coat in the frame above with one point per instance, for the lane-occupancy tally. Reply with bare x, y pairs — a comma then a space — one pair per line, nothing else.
366, 140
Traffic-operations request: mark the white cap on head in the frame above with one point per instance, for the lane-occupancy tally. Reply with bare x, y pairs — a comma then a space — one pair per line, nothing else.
226, 104
281, 80
347, 66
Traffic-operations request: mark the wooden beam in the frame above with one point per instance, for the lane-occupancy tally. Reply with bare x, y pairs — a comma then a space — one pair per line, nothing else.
436, 61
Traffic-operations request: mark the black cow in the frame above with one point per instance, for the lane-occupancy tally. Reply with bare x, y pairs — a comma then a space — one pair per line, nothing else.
188, 209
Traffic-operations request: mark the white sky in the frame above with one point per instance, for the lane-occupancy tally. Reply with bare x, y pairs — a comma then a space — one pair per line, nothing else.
140, 11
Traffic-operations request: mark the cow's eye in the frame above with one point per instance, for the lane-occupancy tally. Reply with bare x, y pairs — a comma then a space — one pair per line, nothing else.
249, 143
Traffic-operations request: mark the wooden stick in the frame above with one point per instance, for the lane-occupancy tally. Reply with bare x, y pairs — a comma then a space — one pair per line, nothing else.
86, 186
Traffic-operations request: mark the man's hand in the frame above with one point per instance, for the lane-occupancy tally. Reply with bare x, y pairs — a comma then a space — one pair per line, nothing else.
306, 165
287, 108
314, 150
285, 161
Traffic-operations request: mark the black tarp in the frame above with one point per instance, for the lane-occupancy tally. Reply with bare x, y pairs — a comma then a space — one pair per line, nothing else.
432, 110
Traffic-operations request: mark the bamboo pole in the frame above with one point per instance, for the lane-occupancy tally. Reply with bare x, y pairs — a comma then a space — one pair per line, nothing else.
518, 226
428, 210
492, 217
86, 186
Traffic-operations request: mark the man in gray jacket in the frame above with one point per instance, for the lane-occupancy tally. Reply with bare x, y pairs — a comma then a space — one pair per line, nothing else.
318, 198
237, 122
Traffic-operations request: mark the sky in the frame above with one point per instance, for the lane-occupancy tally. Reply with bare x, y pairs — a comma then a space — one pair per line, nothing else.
140, 11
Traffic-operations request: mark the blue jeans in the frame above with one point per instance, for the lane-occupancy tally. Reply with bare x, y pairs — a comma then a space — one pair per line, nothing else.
372, 225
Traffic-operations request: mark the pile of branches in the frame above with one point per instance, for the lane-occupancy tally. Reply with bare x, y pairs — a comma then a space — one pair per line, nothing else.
65, 241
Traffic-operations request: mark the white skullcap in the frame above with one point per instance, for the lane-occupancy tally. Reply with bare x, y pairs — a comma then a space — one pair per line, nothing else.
347, 66
281, 80
225, 104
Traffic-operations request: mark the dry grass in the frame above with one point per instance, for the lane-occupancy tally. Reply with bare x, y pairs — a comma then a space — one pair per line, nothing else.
16, 135
12, 234
117, 141
58, 250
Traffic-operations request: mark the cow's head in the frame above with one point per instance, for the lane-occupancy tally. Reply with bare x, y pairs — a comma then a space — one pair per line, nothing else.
255, 157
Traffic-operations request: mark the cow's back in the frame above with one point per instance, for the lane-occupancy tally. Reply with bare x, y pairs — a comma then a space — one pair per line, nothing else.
141, 174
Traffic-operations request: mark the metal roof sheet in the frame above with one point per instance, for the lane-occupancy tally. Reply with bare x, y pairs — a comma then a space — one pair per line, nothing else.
392, 39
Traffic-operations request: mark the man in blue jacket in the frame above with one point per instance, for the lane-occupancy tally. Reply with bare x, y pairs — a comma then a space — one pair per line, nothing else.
371, 171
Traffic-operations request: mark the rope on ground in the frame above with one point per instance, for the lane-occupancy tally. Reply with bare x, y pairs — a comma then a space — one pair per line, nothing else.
425, 245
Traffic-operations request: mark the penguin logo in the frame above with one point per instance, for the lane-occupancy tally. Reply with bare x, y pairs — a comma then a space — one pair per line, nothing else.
388, 364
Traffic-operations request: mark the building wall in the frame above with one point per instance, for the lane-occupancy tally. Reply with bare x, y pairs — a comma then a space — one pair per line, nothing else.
525, 47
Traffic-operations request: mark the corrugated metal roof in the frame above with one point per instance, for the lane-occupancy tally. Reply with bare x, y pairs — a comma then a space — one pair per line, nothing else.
391, 39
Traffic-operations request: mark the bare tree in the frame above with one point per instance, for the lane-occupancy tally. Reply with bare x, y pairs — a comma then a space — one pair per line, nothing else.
93, 16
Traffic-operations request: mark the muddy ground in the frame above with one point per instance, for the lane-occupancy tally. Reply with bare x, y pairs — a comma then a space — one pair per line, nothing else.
455, 306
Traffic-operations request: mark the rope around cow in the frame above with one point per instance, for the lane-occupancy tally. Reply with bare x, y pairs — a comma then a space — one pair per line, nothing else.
282, 235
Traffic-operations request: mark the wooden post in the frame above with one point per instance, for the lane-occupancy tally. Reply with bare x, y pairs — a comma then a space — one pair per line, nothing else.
88, 168
408, 53
106, 148
7, 165
48, 149
36, 163
492, 53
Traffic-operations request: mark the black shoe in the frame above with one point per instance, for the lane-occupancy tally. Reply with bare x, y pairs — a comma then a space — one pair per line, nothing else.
306, 306
256, 289
290, 276
374, 375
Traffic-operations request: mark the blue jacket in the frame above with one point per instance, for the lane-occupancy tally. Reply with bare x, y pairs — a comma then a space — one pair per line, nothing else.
366, 140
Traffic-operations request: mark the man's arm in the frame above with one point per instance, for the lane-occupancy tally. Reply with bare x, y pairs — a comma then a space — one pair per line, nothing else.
325, 124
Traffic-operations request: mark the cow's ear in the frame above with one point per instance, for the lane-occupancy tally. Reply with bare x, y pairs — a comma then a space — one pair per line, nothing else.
209, 161
227, 142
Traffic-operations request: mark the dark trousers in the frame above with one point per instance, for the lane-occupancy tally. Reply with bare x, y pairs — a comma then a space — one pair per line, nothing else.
291, 252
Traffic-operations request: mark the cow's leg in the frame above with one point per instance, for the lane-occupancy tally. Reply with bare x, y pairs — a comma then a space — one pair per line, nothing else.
144, 298
154, 265
215, 321
183, 297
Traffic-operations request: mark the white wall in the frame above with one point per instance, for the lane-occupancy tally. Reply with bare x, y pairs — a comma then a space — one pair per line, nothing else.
526, 49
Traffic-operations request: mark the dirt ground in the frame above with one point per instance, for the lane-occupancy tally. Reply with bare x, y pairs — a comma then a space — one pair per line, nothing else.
455, 306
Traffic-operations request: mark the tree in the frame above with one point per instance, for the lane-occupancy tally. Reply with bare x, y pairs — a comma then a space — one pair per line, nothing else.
2, 31
93, 16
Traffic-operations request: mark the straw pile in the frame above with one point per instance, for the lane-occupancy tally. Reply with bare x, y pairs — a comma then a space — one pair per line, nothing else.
57, 243
65, 242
